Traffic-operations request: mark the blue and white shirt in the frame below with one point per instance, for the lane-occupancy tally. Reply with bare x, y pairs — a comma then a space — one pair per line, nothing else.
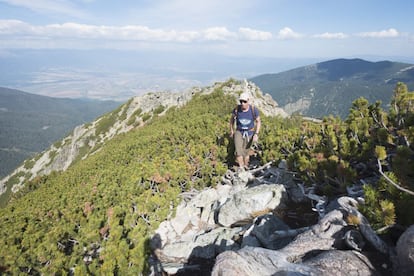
245, 119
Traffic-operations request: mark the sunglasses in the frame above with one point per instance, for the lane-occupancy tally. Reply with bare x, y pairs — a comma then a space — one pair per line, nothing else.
243, 101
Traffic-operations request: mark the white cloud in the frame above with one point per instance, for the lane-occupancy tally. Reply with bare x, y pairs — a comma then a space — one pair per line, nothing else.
331, 35
19, 29
83, 31
9, 27
218, 33
381, 34
288, 33
250, 34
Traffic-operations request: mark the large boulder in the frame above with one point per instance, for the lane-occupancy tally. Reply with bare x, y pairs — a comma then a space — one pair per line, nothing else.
250, 203
405, 253
260, 261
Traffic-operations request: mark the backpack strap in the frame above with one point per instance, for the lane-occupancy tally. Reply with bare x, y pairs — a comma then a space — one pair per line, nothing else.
253, 112
236, 111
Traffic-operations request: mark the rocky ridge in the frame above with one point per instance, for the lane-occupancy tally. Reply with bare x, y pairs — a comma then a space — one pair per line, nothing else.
87, 139
239, 228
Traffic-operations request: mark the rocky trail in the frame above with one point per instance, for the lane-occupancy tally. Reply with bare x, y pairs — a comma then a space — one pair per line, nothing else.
262, 222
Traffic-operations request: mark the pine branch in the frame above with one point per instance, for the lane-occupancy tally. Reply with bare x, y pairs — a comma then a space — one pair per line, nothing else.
390, 180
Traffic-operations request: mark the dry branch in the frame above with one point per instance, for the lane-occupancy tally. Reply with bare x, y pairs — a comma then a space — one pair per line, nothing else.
390, 180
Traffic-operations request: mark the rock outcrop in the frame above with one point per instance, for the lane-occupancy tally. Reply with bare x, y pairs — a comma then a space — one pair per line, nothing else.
219, 219
238, 228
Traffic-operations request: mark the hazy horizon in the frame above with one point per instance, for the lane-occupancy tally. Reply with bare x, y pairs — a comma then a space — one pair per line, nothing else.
120, 75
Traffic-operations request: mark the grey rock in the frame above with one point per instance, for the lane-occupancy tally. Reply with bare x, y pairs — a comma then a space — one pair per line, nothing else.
258, 261
293, 259
262, 229
247, 238
342, 262
247, 204
405, 253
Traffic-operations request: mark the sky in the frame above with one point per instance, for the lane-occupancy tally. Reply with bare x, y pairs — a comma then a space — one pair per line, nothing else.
295, 29
271, 28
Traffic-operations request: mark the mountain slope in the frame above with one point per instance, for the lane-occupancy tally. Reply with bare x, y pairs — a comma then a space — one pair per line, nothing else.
87, 139
97, 217
99, 211
30, 123
330, 87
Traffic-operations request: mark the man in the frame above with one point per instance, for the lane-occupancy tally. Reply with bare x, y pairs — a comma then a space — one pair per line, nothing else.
248, 124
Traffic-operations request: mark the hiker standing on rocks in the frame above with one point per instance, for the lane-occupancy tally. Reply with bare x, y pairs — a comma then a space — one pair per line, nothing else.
247, 125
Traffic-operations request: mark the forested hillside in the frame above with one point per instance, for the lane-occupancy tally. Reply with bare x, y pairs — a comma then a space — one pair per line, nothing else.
30, 123
97, 217
330, 87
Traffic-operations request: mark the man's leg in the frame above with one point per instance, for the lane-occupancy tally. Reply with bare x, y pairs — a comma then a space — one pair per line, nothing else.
246, 162
246, 158
239, 146
240, 161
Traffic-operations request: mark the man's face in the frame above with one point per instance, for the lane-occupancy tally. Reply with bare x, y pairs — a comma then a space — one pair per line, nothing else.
244, 104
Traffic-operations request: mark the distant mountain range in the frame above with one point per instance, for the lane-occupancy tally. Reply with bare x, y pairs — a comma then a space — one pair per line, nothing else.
330, 87
30, 123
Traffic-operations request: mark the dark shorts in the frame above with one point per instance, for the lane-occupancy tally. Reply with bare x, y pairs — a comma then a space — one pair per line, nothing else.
242, 144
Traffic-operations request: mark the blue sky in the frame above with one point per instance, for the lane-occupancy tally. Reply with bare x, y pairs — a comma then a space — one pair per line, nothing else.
265, 28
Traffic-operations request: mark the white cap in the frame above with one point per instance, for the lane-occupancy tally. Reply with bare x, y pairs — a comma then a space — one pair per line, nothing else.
244, 96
